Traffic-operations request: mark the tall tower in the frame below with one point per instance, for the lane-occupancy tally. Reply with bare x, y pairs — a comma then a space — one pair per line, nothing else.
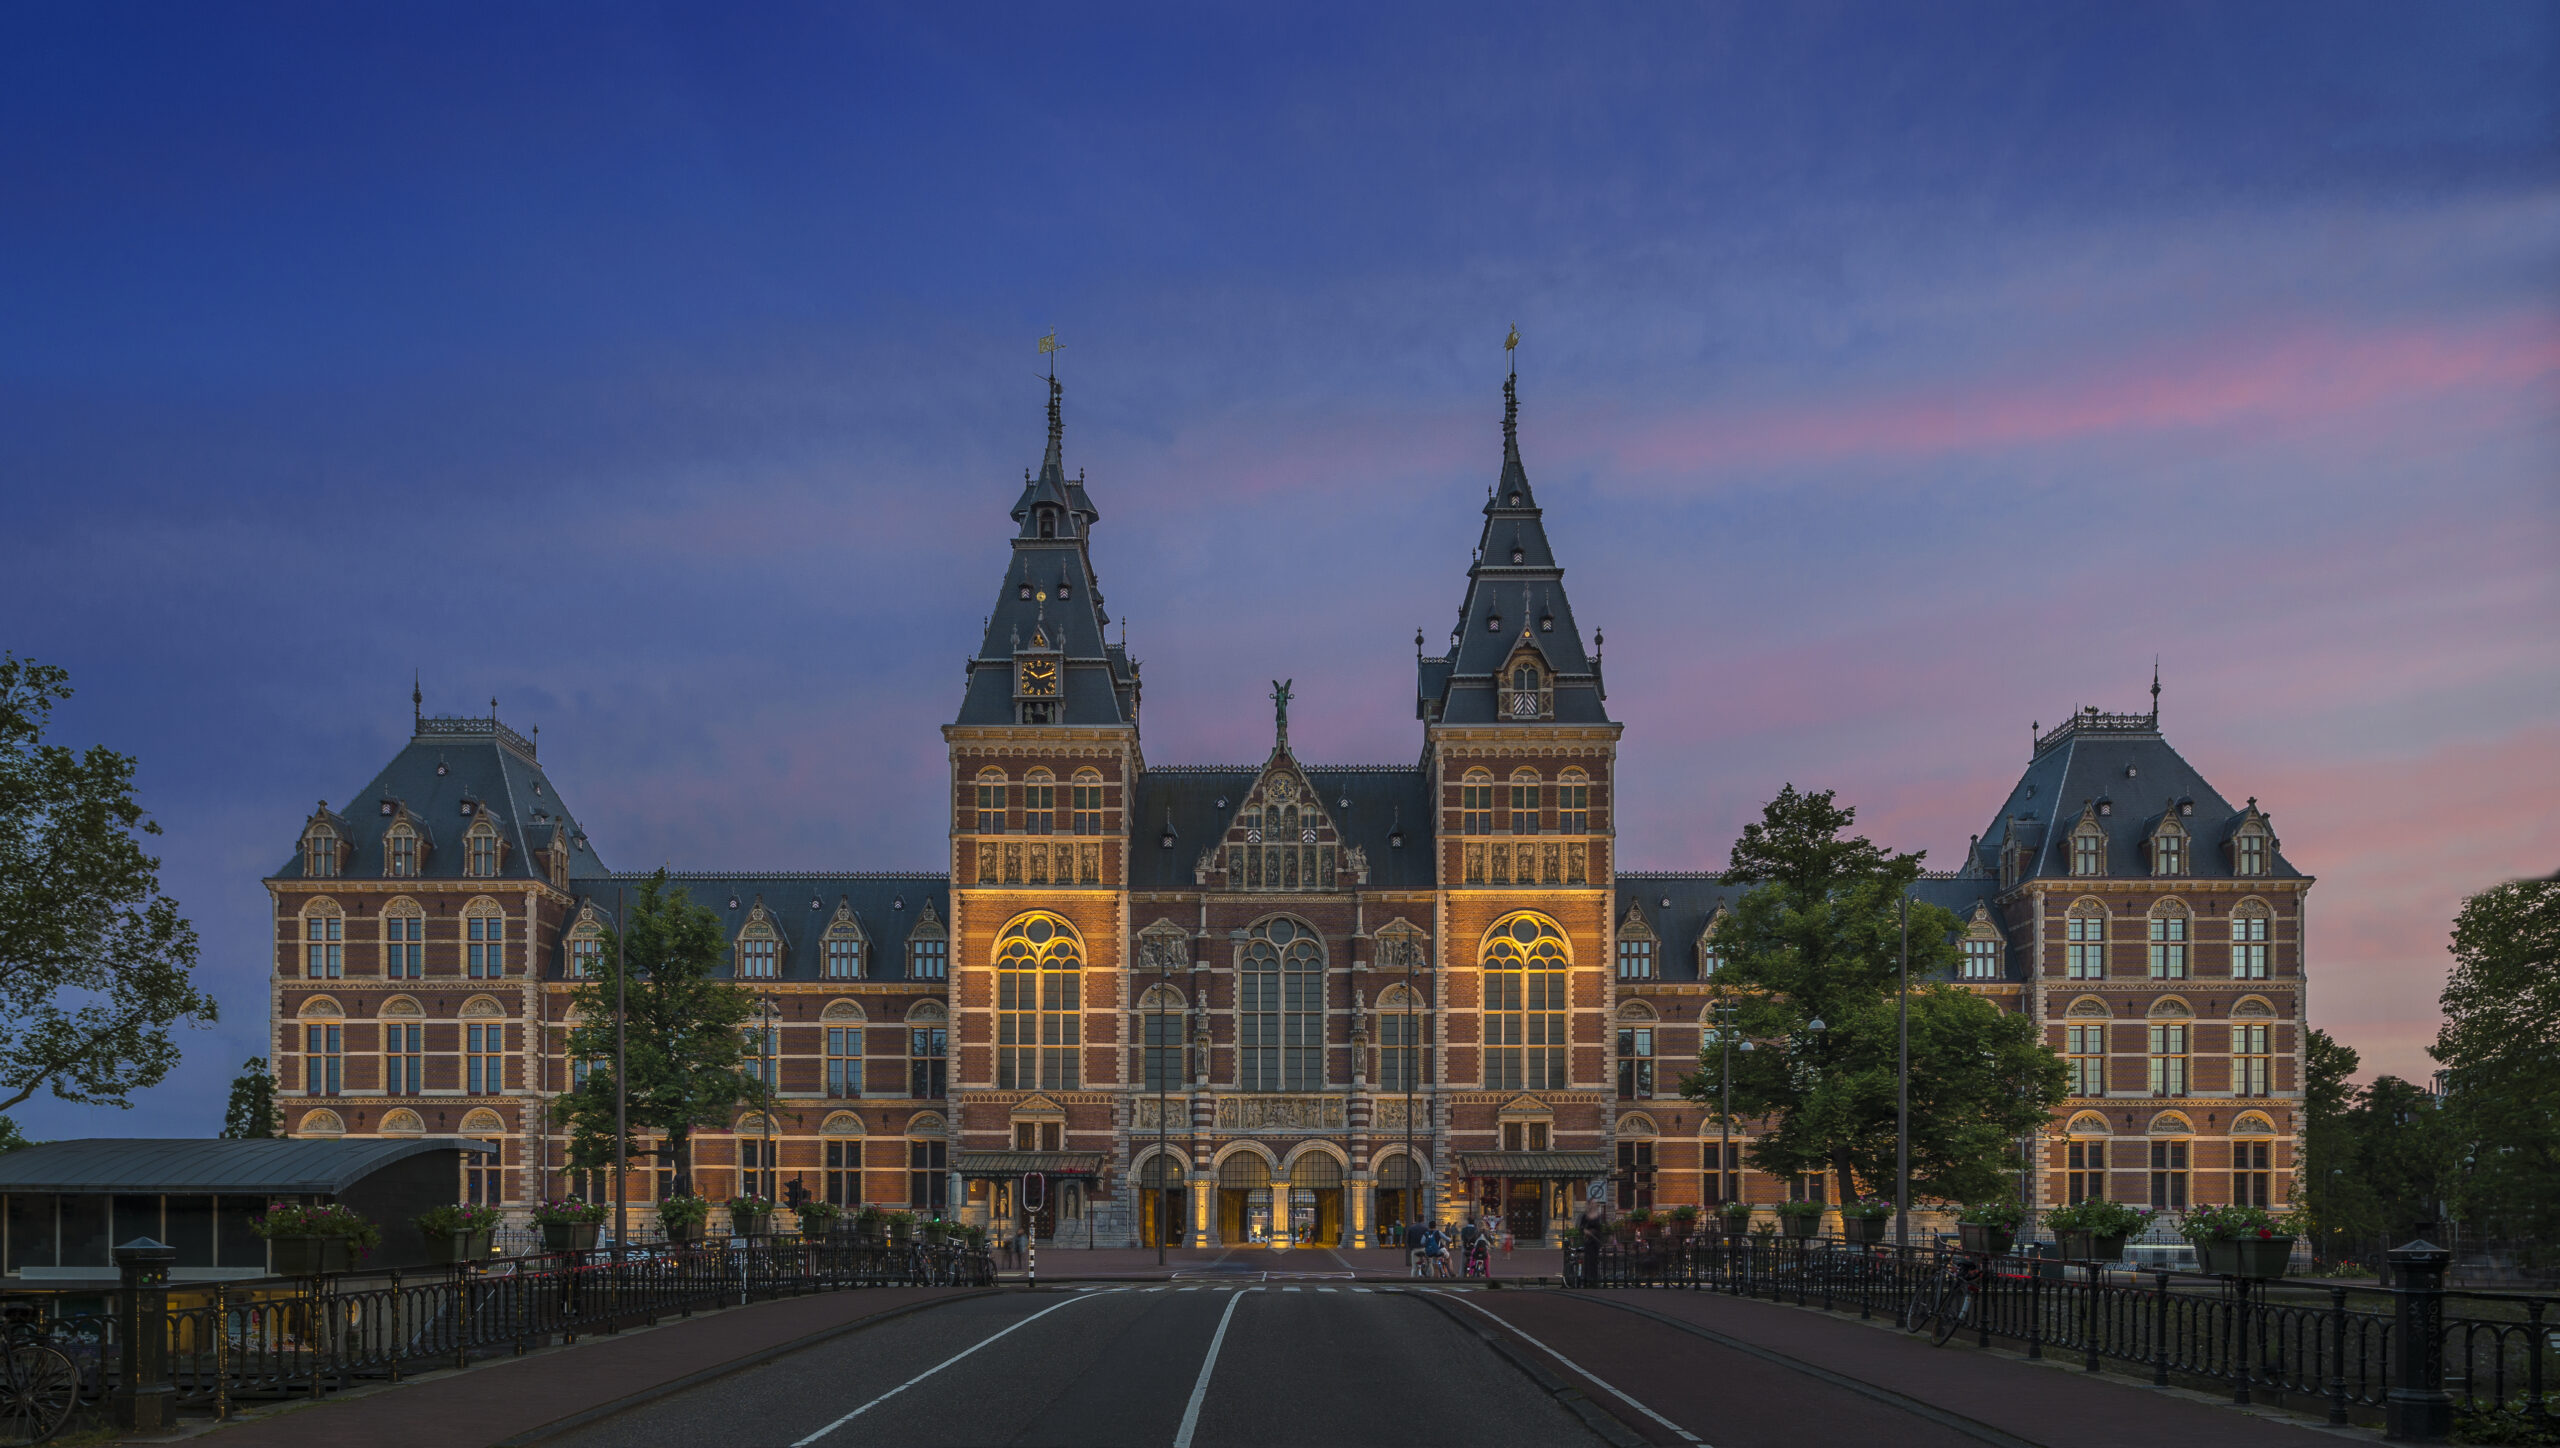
1520, 754
1043, 755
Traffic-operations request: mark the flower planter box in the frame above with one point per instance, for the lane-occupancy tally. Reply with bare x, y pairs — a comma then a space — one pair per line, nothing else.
748, 1224
1800, 1228
570, 1236
1864, 1229
451, 1249
681, 1232
2260, 1259
2090, 1247
308, 1256
1983, 1237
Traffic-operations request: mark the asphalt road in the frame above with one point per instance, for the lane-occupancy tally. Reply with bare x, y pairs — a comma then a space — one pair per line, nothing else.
1213, 1365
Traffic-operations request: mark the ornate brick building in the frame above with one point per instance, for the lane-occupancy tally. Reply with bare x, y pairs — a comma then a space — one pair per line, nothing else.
1233, 1003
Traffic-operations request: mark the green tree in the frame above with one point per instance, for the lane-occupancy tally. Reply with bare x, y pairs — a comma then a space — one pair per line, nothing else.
2500, 1047
2330, 1187
683, 1035
95, 963
1818, 938
11, 1138
252, 1112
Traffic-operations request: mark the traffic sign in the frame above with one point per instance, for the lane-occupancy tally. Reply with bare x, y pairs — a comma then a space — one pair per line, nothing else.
1035, 1190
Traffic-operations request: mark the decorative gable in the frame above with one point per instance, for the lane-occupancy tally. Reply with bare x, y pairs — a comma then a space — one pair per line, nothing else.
2170, 843
1280, 836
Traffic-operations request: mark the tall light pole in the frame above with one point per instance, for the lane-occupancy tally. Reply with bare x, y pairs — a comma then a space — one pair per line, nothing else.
1724, 1040
1164, 991
1413, 1172
766, 1010
621, 1080
1902, 1095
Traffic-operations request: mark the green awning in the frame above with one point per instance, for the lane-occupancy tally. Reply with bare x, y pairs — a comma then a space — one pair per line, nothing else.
1557, 1165
1006, 1164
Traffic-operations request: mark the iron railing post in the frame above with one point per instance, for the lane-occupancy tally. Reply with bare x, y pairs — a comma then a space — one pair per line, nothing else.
2417, 1408
2160, 1329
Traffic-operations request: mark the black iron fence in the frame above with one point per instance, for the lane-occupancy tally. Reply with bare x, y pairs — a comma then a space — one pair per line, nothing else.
2411, 1354
210, 1347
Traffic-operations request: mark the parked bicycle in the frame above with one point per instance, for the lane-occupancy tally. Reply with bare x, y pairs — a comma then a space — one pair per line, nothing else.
39, 1388
1950, 1299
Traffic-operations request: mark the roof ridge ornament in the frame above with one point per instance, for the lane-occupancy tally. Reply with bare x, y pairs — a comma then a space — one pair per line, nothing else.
1281, 694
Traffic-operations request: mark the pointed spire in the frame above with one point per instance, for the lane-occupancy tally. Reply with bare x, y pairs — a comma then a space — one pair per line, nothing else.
417, 698
2155, 688
1055, 463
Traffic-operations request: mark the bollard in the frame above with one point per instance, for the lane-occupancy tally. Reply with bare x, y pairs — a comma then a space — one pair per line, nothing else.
2418, 1409
145, 1401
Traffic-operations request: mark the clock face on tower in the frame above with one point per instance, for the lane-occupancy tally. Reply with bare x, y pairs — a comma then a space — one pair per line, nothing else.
1039, 678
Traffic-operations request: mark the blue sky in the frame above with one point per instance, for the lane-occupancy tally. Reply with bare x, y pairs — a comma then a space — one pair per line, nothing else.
1894, 377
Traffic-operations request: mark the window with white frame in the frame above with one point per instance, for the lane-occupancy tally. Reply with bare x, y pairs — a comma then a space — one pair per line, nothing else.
2249, 924
2168, 1058
1280, 1009
324, 933
2168, 943
484, 941
2085, 1044
480, 851
1573, 803
400, 851
759, 952
1039, 967
2252, 1066
1981, 959
2084, 949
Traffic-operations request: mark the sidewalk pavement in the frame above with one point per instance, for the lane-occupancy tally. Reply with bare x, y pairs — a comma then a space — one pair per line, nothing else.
2048, 1402
493, 1402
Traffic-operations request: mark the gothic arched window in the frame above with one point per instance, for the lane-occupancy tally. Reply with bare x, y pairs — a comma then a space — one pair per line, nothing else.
1280, 1010
1526, 963
1524, 801
1039, 983
400, 850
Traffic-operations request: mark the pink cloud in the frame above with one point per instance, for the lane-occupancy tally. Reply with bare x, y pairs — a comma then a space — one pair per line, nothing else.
2260, 377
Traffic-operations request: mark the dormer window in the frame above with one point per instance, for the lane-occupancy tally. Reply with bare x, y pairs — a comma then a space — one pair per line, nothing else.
400, 851
2088, 845
320, 857
1981, 959
842, 945
1638, 946
2253, 845
1710, 954
759, 949
480, 851
928, 947
2169, 846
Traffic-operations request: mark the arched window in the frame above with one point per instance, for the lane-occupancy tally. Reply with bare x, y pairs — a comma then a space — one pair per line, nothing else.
842, 1135
2169, 845
1524, 801
2170, 1162
404, 1047
2169, 1030
1404, 1040
928, 1164
2253, 844
1573, 803
481, 851
1280, 1008
2084, 944
844, 1022
400, 850
1088, 801
2252, 1057
1475, 803
1161, 1013
2169, 941
1039, 802
1039, 964
928, 1051
990, 802
324, 1037
2084, 1033
484, 939
1526, 962
2084, 1159
2253, 1153
404, 936
2251, 923
586, 947
484, 1047
324, 934
484, 1175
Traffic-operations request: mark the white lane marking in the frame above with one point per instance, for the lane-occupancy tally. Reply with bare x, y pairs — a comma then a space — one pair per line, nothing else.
1586, 1372
937, 1367
1364, 1289
1289, 1289
1328, 1289
1200, 1389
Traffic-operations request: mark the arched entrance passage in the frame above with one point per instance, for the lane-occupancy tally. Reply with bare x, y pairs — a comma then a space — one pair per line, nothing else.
1244, 1199
1160, 1213
1399, 1195
1315, 1200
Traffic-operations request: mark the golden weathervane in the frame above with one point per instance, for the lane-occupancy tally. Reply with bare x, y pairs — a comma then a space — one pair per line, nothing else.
1512, 341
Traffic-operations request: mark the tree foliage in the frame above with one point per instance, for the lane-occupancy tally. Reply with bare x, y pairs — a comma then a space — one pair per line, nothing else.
251, 1113
95, 963
2500, 1047
682, 1035
1819, 937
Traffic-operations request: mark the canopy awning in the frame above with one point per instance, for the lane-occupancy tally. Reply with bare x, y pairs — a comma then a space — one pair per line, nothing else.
1006, 1164
1559, 1165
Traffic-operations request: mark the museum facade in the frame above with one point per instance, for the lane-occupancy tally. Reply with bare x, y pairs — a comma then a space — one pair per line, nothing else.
1286, 1000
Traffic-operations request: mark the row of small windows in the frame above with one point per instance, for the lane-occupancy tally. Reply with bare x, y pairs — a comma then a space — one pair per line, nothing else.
1523, 802
2168, 931
2167, 1052
2170, 846
1045, 809
325, 852
484, 930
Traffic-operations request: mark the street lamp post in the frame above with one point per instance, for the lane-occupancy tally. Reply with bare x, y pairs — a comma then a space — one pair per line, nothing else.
1724, 1115
1164, 982
1902, 1095
621, 1082
1413, 1173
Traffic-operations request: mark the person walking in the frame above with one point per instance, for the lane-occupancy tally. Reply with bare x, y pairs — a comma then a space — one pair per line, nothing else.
1591, 1228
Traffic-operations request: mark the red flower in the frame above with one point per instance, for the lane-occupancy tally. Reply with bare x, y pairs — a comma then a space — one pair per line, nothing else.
2265, 1235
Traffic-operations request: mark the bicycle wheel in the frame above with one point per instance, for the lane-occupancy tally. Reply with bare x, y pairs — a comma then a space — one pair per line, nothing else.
39, 1388
1955, 1314
1925, 1300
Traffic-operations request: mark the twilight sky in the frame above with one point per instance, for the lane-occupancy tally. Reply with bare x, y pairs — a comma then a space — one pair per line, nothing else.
1893, 377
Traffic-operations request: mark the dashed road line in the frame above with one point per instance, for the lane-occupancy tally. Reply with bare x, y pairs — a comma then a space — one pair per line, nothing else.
946, 1362
1685, 1435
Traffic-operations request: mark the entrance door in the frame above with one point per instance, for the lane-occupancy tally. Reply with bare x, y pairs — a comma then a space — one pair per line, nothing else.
1395, 1209
1258, 1225
1524, 1212
1158, 1211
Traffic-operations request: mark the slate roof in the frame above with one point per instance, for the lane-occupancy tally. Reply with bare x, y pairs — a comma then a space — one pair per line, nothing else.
447, 761
1508, 604
2122, 760
1383, 799
800, 905
144, 1166
1694, 898
1064, 606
